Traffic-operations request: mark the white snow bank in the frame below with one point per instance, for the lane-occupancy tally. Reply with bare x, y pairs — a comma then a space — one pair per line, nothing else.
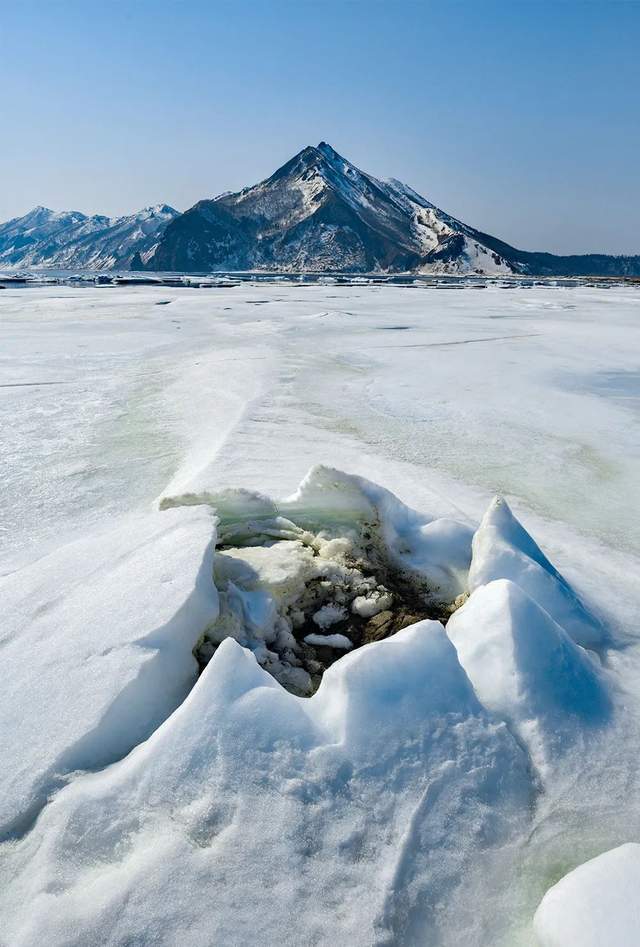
96, 649
349, 817
503, 549
378, 686
527, 670
595, 905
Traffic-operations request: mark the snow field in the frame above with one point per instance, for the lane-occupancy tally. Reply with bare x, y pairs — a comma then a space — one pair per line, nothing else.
438, 781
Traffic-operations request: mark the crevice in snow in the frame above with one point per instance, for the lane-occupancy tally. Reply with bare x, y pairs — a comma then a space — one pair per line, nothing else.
300, 598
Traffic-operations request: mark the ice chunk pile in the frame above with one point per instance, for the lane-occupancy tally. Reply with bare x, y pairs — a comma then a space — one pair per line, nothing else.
348, 564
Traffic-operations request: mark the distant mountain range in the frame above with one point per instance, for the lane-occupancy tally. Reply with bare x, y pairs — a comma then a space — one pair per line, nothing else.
317, 213
71, 240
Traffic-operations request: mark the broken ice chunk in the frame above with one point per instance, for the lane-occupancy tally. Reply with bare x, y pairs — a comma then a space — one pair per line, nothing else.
329, 614
340, 642
369, 605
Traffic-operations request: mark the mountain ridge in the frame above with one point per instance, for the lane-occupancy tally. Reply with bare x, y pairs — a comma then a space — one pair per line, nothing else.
318, 212
70, 239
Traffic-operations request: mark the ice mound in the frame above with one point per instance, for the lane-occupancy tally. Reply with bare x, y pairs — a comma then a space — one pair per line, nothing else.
503, 549
595, 905
348, 817
527, 670
328, 499
415, 675
342, 770
96, 649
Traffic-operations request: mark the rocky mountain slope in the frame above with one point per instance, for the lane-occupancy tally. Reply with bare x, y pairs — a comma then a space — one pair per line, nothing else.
69, 239
318, 212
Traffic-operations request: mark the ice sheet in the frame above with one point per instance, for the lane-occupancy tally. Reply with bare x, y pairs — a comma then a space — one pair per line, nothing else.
111, 403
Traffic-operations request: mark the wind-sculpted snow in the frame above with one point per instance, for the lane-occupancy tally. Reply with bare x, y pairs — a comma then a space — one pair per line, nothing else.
341, 817
525, 668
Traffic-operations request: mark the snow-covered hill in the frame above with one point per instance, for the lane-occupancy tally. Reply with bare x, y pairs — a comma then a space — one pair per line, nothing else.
70, 239
318, 212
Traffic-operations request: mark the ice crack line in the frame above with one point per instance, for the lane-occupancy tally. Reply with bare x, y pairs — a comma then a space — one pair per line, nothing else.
32, 384
435, 345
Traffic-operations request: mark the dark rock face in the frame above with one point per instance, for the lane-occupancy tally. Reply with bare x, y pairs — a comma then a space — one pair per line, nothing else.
319, 213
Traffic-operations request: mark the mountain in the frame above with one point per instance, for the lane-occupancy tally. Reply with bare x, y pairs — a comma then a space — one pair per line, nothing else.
318, 212
70, 240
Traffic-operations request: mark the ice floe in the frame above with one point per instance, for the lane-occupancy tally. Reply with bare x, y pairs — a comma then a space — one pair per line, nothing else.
444, 773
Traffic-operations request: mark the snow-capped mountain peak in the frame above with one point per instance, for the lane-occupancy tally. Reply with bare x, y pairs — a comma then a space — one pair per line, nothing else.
158, 210
71, 239
319, 211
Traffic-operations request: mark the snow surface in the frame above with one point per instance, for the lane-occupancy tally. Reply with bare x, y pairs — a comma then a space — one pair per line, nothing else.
596, 905
439, 782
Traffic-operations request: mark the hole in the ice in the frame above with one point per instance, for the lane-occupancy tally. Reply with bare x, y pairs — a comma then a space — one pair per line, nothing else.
300, 598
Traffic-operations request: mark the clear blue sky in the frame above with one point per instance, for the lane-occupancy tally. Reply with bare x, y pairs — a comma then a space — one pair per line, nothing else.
522, 118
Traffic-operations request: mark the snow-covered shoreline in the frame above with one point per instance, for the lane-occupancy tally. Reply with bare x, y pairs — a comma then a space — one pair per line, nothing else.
124, 420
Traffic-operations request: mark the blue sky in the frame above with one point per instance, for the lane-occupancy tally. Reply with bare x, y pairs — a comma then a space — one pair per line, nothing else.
521, 118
